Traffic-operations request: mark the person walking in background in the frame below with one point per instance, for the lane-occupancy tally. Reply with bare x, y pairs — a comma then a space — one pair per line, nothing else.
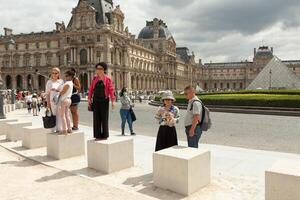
65, 93
75, 99
34, 104
51, 91
125, 111
39, 102
100, 92
192, 117
28, 100
167, 116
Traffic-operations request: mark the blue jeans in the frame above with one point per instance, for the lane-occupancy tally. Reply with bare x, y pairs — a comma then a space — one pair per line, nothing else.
193, 141
125, 116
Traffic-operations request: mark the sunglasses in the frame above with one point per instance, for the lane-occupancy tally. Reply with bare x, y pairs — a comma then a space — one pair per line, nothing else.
54, 73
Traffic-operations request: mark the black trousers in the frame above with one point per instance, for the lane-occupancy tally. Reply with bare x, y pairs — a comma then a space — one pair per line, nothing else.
166, 138
100, 117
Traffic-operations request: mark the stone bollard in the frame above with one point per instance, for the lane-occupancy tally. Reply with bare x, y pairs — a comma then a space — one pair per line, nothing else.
5, 109
282, 181
110, 155
3, 125
65, 146
181, 169
34, 137
15, 130
13, 107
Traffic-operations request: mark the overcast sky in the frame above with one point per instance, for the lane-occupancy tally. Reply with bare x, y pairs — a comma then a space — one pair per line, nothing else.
216, 30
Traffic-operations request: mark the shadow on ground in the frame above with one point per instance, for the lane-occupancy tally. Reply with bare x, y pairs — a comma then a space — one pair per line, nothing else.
150, 189
56, 176
21, 163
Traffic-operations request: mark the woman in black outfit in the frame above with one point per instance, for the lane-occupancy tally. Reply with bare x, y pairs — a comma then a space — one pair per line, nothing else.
101, 92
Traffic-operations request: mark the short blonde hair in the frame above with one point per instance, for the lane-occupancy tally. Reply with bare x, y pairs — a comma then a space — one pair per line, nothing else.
57, 70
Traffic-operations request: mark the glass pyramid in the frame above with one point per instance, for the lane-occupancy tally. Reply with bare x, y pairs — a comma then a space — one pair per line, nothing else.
275, 75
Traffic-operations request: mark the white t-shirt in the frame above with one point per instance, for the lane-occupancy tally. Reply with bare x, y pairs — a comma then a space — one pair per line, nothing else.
28, 99
51, 84
68, 93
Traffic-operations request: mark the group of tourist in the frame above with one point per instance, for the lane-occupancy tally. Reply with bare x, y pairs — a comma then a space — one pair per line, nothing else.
62, 97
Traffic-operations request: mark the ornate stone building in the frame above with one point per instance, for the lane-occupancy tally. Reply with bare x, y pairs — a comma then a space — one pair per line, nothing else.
96, 32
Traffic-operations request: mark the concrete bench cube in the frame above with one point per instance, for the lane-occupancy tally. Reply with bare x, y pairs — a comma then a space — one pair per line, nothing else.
181, 169
15, 130
65, 146
34, 137
282, 181
3, 125
13, 107
110, 155
5, 109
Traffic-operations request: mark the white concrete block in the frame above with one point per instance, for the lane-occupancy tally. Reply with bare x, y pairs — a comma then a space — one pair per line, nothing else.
9, 109
13, 106
282, 181
15, 130
110, 155
181, 169
34, 137
3, 125
65, 146
5, 109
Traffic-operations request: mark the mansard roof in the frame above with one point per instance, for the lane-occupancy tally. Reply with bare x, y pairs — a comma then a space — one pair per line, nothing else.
101, 7
148, 31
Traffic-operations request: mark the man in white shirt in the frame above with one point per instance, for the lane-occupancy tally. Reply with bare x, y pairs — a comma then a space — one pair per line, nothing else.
193, 117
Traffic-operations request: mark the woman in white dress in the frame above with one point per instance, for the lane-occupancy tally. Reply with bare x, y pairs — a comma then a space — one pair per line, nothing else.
52, 90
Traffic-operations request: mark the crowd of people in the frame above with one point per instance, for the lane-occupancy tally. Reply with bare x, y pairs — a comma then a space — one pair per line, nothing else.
61, 98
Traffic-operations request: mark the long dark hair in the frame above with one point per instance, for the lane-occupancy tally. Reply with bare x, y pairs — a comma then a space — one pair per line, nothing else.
124, 89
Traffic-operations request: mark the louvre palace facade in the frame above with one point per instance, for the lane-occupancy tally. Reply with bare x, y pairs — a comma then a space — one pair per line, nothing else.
96, 32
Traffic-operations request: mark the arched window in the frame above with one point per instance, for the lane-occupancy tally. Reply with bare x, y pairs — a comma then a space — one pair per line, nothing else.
83, 57
29, 82
82, 39
8, 82
19, 82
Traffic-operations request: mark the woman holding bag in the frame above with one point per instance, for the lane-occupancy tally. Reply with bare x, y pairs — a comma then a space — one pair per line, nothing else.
52, 86
101, 91
125, 111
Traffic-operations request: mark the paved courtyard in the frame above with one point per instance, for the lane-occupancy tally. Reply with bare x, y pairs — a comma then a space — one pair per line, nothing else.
263, 132
237, 173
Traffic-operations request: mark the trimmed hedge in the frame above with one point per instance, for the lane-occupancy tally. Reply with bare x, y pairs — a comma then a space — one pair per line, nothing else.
247, 99
289, 92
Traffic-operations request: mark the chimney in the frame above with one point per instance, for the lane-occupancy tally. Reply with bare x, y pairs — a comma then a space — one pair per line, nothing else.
200, 61
254, 51
272, 49
8, 31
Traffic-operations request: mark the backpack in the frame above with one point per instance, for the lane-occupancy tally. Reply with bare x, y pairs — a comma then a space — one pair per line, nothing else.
205, 122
